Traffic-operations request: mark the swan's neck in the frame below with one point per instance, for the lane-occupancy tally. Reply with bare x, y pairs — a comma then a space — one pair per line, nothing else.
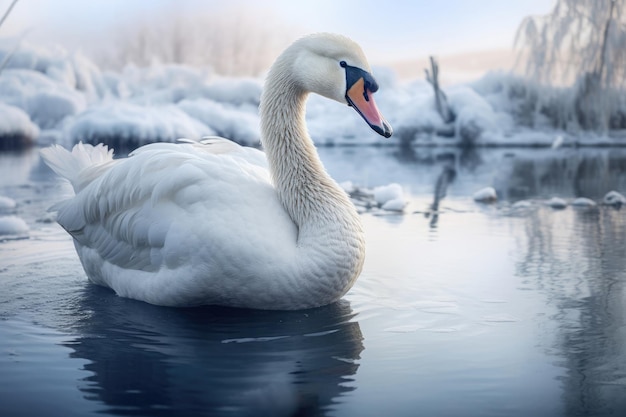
317, 205
304, 187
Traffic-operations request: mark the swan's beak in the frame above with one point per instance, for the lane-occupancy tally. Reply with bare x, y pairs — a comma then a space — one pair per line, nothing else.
360, 96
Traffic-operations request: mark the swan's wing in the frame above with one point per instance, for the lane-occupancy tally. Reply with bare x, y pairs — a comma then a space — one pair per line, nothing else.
155, 208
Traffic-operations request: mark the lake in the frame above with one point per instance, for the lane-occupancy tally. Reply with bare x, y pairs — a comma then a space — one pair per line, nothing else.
505, 309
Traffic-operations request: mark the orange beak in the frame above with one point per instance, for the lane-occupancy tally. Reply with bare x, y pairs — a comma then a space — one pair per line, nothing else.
361, 98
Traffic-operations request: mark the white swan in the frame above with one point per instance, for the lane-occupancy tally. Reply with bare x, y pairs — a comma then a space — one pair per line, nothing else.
209, 224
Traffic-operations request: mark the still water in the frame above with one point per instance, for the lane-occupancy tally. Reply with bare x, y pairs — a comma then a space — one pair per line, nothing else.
469, 310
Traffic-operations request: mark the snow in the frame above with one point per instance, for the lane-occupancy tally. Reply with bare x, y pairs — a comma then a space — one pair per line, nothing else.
390, 197
49, 95
522, 205
121, 122
397, 204
15, 123
12, 226
613, 198
386, 193
556, 203
347, 186
485, 195
384, 198
224, 121
558, 142
7, 204
583, 202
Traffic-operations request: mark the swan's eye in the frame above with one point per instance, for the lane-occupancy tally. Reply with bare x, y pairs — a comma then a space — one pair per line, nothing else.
343, 64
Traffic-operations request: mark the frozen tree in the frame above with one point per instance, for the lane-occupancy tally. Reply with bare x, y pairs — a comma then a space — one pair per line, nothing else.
581, 42
231, 42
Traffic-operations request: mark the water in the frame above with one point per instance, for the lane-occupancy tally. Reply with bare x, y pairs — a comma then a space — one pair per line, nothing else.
472, 310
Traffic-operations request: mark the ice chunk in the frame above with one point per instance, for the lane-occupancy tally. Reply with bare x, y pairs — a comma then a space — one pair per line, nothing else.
583, 202
386, 193
613, 198
556, 203
485, 195
397, 204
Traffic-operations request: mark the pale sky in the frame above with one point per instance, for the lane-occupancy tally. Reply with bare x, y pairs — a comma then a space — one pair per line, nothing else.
387, 29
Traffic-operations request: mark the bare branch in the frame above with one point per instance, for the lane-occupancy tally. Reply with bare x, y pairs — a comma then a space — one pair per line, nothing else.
6, 14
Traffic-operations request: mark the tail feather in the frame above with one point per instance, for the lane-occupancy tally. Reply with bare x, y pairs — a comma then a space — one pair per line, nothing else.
70, 164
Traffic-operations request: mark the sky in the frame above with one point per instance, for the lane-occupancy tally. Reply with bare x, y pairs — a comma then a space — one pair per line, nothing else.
389, 31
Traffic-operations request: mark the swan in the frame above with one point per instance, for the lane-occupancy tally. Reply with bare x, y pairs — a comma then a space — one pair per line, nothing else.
215, 223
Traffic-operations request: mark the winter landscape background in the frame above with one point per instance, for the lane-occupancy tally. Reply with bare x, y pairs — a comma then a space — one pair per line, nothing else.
189, 76
495, 277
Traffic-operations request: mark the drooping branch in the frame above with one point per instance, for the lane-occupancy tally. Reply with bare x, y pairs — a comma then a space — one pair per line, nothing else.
605, 43
580, 44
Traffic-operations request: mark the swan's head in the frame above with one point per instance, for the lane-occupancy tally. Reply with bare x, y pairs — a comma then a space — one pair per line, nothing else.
335, 67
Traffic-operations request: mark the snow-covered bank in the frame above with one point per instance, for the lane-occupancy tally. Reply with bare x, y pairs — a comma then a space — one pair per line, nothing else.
50, 96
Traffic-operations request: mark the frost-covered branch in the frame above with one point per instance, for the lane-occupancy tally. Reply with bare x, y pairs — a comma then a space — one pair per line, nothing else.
580, 44
578, 37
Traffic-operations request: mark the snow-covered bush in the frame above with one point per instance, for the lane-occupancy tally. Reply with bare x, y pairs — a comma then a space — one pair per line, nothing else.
533, 105
125, 125
232, 123
473, 115
16, 128
48, 95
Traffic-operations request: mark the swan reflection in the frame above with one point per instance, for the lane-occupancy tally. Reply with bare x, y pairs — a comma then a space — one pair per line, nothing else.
150, 360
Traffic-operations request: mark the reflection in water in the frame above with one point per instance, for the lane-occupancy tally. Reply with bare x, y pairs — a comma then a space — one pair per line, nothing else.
149, 360
578, 260
516, 174
567, 174
16, 167
531, 308
441, 186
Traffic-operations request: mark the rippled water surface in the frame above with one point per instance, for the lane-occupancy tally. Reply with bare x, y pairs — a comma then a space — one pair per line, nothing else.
470, 310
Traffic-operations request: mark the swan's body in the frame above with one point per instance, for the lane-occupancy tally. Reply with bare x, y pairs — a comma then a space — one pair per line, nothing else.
218, 224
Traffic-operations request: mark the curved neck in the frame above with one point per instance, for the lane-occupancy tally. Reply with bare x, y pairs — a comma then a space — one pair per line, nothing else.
304, 188
330, 243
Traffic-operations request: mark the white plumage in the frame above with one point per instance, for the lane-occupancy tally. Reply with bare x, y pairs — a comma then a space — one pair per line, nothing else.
215, 223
